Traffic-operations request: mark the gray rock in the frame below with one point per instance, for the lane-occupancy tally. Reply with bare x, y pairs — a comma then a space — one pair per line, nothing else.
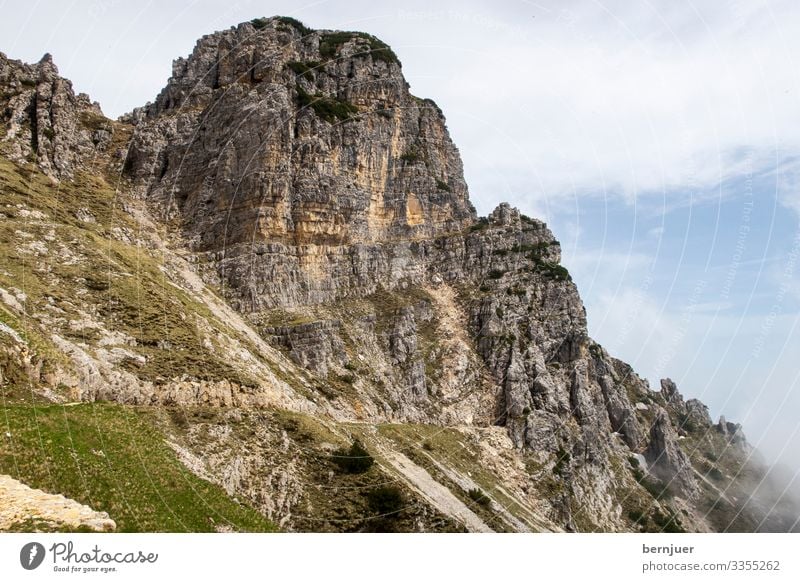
667, 461
316, 346
732, 432
671, 394
697, 412
46, 122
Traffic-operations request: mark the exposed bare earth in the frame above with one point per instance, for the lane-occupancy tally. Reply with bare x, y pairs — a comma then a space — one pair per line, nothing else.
438, 495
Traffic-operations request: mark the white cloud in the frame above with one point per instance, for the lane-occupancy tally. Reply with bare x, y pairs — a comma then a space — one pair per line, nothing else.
623, 99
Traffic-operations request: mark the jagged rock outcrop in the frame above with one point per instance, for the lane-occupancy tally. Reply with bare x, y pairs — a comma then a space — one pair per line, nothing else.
305, 175
668, 461
697, 413
45, 121
732, 432
671, 394
293, 159
26, 509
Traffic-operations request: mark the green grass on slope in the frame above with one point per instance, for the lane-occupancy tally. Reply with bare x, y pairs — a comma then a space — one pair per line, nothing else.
112, 459
84, 267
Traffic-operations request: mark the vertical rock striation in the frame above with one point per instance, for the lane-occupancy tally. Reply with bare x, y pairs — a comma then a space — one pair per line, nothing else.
46, 122
292, 158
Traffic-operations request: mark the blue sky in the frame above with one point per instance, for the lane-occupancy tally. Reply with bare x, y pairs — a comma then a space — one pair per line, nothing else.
659, 140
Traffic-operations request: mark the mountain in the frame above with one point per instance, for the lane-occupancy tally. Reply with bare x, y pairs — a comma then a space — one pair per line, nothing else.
268, 294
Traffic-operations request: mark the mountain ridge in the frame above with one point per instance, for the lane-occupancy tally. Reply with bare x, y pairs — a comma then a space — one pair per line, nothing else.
278, 257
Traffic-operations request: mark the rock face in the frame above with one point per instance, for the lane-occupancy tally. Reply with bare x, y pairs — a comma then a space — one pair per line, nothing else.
311, 247
732, 432
667, 459
45, 121
303, 173
294, 161
25, 509
314, 346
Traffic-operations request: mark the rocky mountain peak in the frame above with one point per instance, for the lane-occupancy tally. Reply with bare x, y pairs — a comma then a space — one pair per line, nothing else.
291, 264
45, 122
255, 52
273, 133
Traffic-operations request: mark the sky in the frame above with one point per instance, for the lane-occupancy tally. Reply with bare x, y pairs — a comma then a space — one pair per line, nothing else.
659, 140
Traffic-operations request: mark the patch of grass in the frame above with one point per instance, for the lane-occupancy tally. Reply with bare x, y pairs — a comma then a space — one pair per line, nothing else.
113, 459
284, 22
527, 248
552, 271
36, 525
495, 274
482, 224
385, 499
328, 108
656, 488
479, 497
563, 459
122, 284
294, 23
94, 122
306, 69
412, 155
637, 516
686, 422
667, 522
443, 186
449, 446
331, 42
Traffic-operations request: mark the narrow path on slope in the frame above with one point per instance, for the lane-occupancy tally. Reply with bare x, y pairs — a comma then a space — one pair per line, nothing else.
434, 492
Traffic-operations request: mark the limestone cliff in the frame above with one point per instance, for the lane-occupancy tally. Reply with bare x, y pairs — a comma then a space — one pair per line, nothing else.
291, 158
288, 262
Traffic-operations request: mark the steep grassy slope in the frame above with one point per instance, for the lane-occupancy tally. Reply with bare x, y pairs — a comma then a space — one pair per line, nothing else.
76, 256
113, 459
